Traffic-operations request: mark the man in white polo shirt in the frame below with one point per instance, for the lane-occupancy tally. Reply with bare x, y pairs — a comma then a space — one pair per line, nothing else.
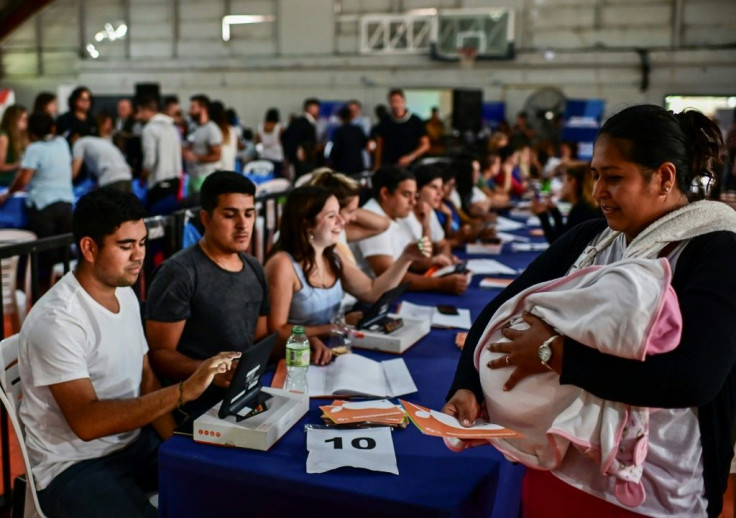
394, 196
88, 390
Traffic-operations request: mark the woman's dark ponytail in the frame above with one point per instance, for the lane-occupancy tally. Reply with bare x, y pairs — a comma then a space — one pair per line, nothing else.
705, 143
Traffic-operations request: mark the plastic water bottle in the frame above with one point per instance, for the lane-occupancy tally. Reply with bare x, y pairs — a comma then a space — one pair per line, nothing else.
297, 360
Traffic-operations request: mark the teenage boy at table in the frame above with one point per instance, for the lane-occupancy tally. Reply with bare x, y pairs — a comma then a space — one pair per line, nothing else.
89, 393
394, 196
422, 219
211, 296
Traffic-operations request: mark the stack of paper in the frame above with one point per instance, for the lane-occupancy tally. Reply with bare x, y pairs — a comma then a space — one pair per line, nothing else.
508, 238
432, 422
484, 248
429, 313
351, 413
489, 267
506, 224
495, 282
529, 247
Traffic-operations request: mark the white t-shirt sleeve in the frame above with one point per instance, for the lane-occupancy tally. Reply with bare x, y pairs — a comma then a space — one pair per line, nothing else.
214, 135
31, 157
148, 146
78, 149
57, 351
478, 195
132, 300
380, 244
435, 228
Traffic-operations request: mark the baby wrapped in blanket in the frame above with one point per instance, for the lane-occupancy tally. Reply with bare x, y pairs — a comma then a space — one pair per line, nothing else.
626, 309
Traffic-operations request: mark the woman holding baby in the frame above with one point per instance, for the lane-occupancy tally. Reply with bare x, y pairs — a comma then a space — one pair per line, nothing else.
648, 165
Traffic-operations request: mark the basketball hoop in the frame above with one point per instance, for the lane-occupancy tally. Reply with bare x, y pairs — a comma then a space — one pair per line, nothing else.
467, 56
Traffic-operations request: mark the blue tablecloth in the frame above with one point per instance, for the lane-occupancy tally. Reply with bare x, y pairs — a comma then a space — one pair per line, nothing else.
13, 213
203, 480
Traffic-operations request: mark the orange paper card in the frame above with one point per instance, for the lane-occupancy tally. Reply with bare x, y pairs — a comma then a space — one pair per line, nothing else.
345, 412
432, 422
279, 376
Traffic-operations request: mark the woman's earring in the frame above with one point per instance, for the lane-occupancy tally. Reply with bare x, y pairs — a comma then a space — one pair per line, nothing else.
311, 237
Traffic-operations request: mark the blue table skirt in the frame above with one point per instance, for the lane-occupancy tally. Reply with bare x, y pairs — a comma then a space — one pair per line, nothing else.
205, 480
14, 213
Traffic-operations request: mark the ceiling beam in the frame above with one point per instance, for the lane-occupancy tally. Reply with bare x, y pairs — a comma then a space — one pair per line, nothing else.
14, 13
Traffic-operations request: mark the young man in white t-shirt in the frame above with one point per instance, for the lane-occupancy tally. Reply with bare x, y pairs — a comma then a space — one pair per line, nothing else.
394, 196
88, 390
423, 219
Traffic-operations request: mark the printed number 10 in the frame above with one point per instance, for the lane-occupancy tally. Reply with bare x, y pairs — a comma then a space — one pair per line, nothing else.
359, 443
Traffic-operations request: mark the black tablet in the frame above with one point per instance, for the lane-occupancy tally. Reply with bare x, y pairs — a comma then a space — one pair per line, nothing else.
382, 306
245, 385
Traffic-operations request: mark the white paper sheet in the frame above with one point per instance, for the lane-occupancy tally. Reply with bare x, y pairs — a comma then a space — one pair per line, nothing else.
368, 448
529, 247
461, 320
506, 224
489, 267
356, 375
507, 238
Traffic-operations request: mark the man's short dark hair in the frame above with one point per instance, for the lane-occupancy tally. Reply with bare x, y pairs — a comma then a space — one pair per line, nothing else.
202, 100
389, 176
148, 102
223, 182
396, 91
40, 124
100, 212
427, 173
171, 99
344, 114
310, 101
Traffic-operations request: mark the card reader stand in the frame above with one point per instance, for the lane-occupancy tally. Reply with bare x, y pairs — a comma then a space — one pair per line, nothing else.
387, 325
247, 405
401, 334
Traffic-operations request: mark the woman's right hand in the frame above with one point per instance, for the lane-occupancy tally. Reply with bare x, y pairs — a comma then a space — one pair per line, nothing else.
321, 354
463, 406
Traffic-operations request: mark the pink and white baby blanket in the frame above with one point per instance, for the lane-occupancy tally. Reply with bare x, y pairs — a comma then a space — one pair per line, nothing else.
626, 309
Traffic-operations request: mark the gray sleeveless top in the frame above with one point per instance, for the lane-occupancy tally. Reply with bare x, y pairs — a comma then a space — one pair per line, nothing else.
313, 306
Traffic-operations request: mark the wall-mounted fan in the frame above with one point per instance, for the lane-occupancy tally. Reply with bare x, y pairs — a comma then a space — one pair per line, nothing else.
544, 110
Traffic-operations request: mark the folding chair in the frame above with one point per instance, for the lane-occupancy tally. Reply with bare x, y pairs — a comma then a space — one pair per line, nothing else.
10, 397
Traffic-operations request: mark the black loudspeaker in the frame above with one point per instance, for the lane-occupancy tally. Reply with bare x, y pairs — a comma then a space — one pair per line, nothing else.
467, 106
143, 90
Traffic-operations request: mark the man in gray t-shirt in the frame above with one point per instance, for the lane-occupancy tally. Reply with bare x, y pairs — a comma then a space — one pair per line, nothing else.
206, 144
212, 296
103, 160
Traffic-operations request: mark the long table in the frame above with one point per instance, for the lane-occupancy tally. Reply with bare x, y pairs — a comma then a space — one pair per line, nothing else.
203, 480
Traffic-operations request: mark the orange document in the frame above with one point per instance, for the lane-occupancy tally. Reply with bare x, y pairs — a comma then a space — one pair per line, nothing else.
437, 424
351, 412
495, 282
279, 376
